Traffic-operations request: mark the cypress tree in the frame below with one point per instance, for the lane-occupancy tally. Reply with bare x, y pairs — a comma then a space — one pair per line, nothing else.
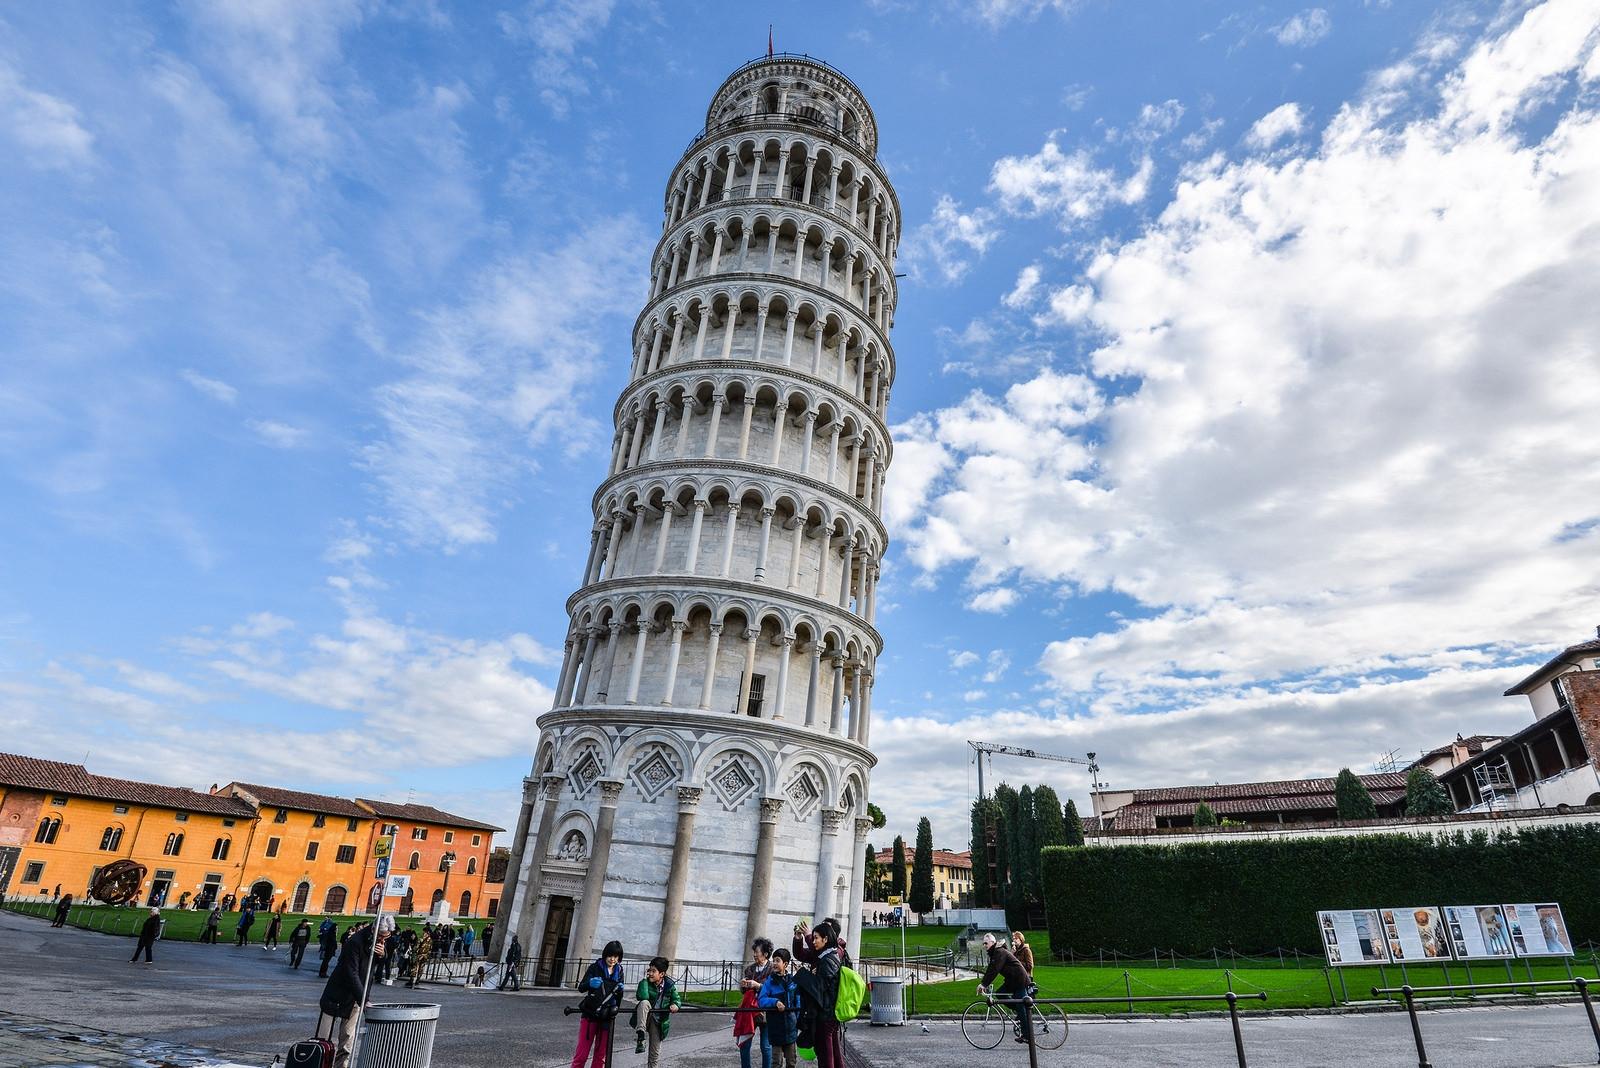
1005, 801
1026, 876
1074, 824
1052, 826
1351, 797
1424, 795
1204, 815
897, 869
983, 815
922, 868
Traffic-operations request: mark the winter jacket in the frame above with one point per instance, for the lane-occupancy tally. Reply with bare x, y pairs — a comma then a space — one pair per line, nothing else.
744, 1023
150, 931
602, 991
1024, 955
1004, 963
783, 1025
661, 998
348, 983
301, 934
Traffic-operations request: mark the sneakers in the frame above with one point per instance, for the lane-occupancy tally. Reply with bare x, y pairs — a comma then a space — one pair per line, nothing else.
638, 1046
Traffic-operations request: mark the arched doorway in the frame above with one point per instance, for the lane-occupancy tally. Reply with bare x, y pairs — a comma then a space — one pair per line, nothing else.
408, 904
262, 892
433, 903
466, 903
334, 902
302, 894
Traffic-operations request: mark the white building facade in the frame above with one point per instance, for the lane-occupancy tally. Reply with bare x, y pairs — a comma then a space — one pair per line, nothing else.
702, 778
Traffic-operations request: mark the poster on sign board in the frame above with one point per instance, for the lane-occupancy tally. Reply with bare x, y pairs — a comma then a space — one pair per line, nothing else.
1478, 932
1353, 936
1415, 933
1538, 930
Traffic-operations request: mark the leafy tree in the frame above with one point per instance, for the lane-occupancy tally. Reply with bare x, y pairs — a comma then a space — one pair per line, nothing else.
1424, 795
922, 868
984, 815
1074, 824
897, 868
1204, 815
875, 814
873, 875
1025, 877
1351, 797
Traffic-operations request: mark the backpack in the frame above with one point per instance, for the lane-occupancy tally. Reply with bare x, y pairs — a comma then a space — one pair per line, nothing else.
852, 992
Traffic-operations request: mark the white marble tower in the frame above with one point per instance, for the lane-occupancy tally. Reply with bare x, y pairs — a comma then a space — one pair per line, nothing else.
702, 777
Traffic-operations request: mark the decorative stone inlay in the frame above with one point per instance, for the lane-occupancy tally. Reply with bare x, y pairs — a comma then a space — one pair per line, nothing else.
803, 793
655, 771
586, 771
734, 780
574, 847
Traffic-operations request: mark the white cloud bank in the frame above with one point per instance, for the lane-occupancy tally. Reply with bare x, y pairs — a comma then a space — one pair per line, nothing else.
1339, 421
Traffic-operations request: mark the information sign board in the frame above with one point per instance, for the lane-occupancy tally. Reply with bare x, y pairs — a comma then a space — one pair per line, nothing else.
1353, 936
1415, 933
383, 846
382, 868
396, 886
1538, 930
1478, 932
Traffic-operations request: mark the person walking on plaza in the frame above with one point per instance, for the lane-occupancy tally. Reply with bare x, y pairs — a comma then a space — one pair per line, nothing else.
299, 938
247, 919
779, 1000
63, 907
213, 921
1018, 984
652, 1017
419, 958
1022, 951
274, 925
602, 999
327, 945
147, 937
513, 974
467, 937
346, 990
755, 974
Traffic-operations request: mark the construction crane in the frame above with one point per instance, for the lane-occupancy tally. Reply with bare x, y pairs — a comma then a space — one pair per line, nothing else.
989, 748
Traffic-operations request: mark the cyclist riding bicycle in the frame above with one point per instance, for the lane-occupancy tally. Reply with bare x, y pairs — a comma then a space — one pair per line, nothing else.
1018, 984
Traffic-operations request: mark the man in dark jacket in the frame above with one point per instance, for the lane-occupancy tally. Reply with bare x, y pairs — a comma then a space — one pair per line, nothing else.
1018, 984
298, 939
147, 937
328, 944
512, 977
63, 907
242, 930
213, 921
346, 989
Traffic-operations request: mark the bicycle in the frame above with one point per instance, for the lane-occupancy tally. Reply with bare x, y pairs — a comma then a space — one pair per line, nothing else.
987, 1021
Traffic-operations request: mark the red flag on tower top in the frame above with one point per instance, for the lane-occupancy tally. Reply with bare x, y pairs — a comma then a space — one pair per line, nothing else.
769, 38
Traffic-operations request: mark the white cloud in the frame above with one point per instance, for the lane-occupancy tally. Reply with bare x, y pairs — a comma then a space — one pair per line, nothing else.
948, 240
500, 373
218, 391
278, 435
1074, 187
46, 130
996, 600
999, 662
1157, 120
558, 31
974, 695
997, 12
963, 658
1304, 29
1336, 428
1027, 285
1285, 120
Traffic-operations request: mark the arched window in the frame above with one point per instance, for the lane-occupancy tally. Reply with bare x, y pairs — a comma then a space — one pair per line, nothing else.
472, 865
174, 845
49, 827
438, 896
111, 838
416, 862
302, 894
219, 851
334, 902
466, 903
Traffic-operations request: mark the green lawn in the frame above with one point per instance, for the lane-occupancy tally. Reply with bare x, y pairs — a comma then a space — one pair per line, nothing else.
186, 926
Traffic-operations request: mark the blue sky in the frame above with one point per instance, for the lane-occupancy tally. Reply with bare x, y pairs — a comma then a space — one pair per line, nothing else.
1244, 413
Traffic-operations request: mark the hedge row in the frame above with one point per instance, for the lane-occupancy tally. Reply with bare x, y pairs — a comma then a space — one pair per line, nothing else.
1258, 895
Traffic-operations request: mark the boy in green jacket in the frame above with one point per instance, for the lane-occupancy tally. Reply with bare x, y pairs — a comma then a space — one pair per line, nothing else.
659, 993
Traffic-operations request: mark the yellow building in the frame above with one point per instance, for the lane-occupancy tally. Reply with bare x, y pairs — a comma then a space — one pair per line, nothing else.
305, 849
952, 875
59, 825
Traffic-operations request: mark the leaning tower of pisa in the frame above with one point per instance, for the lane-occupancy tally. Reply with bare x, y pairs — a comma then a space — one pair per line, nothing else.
702, 777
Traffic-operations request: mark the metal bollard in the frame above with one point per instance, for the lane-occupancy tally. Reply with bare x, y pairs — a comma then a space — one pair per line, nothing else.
1588, 1007
1238, 1036
1416, 1028
1033, 1046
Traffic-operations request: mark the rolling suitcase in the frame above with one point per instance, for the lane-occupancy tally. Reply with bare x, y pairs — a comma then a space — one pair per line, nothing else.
313, 1052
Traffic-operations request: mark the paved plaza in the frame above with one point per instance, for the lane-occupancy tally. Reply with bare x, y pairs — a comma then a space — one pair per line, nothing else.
72, 999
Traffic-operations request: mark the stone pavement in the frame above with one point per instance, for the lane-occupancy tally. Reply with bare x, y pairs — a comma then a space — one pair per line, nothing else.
72, 999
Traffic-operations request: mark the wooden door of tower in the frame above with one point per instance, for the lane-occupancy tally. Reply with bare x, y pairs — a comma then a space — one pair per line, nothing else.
553, 949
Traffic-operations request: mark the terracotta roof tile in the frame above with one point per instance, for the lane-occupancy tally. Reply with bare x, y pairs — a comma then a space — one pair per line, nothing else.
276, 797
54, 776
424, 814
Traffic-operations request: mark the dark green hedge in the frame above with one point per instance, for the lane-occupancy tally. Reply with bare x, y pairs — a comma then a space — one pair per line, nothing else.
1259, 895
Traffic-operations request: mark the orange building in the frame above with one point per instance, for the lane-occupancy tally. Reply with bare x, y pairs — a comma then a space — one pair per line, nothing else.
446, 856
306, 849
59, 825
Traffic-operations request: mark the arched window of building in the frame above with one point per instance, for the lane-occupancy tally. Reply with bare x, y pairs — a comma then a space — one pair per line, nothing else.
335, 899
472, 865
174, 845
219, 851
416, 862
111, 838
438, 896
49, 827
302, 894
466, 903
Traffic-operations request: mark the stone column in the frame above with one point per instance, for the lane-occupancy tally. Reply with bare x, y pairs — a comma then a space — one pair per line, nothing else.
678, 878
727, 334
582, 948
805, 194
788, 337
785, 643
710, 678
614, 649
716, 252
694, 257
826, 537
638, 439
833, 452
761, 548
750, 636
755, 173
685, 417
668, 510
761, 330
805, 442
527, 867
814, 684
779, 411
858, 886
864, 735
855, 702
717, 401
827, 854
674, 651
699, 334
755, 924
747, 409
695, 524
569, 665
594, 554
844, 578
798, 525
727, 542
634, 669
772, 248
587, 667
836, 713
656, 431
